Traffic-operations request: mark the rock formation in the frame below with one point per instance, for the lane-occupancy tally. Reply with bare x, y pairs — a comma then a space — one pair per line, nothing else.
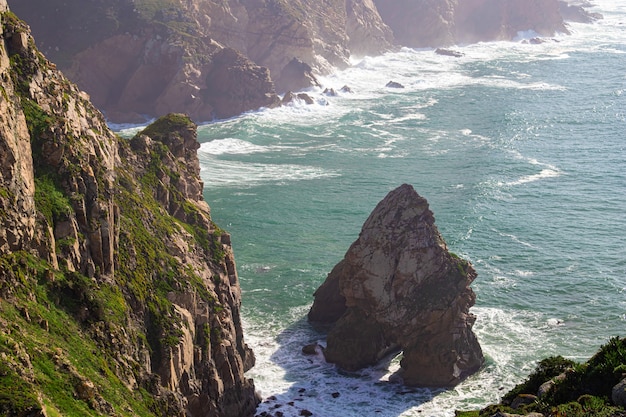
141, 58
119, 294
435, 23
138, 58
398, 287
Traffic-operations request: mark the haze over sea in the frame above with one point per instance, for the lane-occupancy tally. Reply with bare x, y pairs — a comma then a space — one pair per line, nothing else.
520, 150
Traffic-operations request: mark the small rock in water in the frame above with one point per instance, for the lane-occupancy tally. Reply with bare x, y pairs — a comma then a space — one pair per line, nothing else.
310, 349
448, 52
394, 84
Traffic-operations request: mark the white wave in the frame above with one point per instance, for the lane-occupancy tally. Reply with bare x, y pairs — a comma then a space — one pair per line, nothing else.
231, 146
291, 382
514, 239
543, 174
218, 173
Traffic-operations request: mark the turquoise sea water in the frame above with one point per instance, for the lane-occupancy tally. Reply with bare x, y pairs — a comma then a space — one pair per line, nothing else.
520, 150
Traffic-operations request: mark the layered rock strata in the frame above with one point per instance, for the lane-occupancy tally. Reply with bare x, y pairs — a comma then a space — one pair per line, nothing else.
119, 295
398, 287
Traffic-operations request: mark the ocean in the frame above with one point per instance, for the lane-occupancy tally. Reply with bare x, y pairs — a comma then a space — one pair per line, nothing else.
520, 150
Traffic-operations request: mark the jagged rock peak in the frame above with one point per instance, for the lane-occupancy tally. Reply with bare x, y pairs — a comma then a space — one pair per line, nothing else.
398, 287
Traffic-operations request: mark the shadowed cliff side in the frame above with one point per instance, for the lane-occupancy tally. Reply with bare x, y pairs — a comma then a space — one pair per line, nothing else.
434, 23
148, 58
118, 294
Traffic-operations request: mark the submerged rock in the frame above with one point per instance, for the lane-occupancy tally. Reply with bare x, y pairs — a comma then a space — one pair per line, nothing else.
398, 287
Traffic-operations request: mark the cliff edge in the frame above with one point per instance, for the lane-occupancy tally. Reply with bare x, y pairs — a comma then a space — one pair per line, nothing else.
118, 294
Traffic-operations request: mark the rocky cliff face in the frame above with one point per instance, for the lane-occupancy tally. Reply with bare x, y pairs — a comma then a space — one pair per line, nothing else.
145, 58
432, 23
149, 58
119, 295
398, 287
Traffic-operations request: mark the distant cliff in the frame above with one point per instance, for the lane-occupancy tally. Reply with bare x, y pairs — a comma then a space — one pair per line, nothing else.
146, 58
149, 58
433, 23
118, 294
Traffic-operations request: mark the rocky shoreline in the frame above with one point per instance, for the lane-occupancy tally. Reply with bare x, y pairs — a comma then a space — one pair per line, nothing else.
216, 59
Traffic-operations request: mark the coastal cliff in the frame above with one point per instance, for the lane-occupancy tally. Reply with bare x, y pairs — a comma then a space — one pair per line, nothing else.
142, 58
435, 23
118, 294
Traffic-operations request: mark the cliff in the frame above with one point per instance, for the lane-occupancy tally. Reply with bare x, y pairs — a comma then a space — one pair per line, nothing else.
144, 58
398, 287
147, 58
433, 23
118, 294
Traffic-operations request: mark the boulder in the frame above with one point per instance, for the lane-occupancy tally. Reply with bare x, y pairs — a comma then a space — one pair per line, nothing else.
618, 394
448, 52
290, 97
295, 76
398, 287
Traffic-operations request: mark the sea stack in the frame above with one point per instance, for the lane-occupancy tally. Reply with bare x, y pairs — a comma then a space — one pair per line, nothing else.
399, 288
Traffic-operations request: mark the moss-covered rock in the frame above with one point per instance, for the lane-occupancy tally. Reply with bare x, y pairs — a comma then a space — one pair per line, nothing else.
565, 388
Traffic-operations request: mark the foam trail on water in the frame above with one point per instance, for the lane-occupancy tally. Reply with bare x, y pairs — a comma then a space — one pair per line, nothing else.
231, 146
237, 174
291, 382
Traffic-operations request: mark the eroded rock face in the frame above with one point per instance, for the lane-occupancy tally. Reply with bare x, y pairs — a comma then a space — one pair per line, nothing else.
399, 287
138, 60
115, 236
434, 23
235, 84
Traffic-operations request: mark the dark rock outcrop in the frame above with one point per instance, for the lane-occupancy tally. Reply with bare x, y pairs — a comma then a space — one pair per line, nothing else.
296, 76
398, 287
394, 84
577, 13
115, 282
235, 84
448, 52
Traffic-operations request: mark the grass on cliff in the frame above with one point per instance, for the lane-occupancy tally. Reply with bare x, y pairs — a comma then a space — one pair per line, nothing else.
580, 389
49, 200
46, 349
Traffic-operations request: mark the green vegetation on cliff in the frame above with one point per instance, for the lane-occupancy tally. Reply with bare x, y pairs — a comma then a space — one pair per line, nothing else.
563, 388
88, 324
47, 350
